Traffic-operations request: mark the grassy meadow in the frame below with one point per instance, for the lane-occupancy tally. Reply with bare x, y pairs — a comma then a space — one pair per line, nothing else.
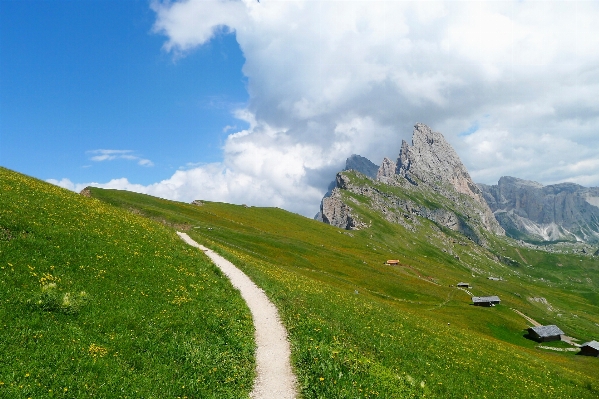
96, 301
361, 329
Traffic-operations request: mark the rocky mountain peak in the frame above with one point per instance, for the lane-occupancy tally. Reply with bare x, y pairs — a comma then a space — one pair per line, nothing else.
429, 168
505, 181
431, 159
362, 165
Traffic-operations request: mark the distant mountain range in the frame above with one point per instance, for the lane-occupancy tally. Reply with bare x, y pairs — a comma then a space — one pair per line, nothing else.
532, 212
430, 180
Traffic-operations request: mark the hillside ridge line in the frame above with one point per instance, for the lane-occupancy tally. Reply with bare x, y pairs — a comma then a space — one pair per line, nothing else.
274, 375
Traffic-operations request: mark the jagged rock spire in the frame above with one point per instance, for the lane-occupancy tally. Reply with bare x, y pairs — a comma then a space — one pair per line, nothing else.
433, 161
386, 171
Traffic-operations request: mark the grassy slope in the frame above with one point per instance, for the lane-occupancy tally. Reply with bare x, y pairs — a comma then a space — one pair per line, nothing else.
157, 319
362, 329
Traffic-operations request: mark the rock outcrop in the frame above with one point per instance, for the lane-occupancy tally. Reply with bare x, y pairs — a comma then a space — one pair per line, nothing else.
336, 213
354, 162
386, 172
529, 210
86, 192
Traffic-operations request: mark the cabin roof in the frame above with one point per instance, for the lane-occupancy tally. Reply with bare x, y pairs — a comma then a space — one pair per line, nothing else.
547, 331
592, 344
477, 299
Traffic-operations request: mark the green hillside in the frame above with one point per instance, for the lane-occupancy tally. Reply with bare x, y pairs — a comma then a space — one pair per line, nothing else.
361, 329
98, 302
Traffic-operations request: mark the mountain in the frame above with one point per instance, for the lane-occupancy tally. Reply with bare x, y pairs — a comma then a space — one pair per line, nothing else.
362, 165
529, 211
428, 180
357, 163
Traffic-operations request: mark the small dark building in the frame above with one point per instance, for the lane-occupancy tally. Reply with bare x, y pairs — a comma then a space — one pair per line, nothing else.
464, 285
485, 300
545, 333
590, 349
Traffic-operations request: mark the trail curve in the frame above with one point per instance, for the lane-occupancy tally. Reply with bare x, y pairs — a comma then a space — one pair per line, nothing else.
274, 375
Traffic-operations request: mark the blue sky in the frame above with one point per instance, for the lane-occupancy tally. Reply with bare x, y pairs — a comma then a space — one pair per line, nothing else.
261, 102
82, 76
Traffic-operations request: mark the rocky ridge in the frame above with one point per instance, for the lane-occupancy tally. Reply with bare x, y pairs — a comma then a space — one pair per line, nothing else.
531, 211
427, 180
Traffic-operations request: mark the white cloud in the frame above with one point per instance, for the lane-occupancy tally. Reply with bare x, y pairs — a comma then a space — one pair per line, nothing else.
329, 78
111, 155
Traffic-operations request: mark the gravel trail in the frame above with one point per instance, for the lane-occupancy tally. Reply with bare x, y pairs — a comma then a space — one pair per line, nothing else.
274, 376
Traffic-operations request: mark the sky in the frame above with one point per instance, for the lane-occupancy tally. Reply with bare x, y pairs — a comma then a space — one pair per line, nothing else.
260, 103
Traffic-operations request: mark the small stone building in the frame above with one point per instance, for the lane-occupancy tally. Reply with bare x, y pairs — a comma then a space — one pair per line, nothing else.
590, 349
485, 300
392, 262
545, 333
463, 285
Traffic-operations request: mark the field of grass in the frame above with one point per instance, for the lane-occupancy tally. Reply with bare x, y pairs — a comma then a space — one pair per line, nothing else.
98, 302
360, 329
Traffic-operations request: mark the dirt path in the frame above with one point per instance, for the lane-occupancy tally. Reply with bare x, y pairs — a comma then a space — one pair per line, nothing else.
564, 338
521, 257
530, 320
274, 376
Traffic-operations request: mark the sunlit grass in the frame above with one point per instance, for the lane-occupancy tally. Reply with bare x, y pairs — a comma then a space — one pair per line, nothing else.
96, 301
360, 329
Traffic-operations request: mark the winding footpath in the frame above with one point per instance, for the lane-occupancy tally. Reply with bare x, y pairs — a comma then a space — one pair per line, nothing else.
274, 376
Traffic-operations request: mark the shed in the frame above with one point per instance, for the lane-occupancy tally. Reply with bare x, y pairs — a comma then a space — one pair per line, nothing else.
545, 333
485, 300
590, 349
464, 285
392, 262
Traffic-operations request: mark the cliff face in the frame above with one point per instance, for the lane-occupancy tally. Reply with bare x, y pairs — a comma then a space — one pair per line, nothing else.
433, 162
529, 210
354, 162
428, 180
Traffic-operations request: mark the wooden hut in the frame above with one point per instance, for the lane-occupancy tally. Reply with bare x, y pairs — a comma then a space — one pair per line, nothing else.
463, 285
545, 333
392, 262
485, 300
590, 349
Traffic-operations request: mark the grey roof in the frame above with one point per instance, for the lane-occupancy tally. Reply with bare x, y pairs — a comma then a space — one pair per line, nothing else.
592, 344
493, 298
462, 283
547, 331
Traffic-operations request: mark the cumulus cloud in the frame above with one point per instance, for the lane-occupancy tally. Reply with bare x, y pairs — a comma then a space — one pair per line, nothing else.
111, 155
512, 85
